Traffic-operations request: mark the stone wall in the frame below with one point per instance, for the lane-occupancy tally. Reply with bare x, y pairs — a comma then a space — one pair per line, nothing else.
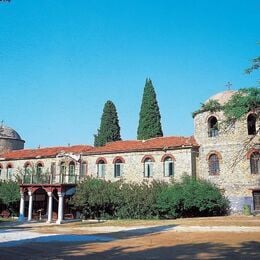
133, 168
234, 178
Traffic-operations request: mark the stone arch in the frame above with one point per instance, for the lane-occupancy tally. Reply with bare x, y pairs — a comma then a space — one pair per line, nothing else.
214, 152
147, 157
119, 158
99, 159
168, 155
27, 163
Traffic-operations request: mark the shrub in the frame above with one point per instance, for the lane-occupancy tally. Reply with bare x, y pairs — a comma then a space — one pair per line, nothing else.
191, 198
10, 196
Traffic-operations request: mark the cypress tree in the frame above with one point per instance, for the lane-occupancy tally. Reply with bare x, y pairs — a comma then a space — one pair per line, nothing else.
149, 116
109, 126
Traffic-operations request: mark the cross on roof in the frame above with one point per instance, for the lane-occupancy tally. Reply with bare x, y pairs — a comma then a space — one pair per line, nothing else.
228, 85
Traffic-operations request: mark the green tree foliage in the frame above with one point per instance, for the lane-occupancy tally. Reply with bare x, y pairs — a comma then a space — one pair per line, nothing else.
97, 198
241, 103
149, 117
192, 198
109, 127
10, 195
254, 66
212, 105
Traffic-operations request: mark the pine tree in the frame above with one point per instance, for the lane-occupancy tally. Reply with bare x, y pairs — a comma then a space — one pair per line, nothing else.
109, 126
149, 116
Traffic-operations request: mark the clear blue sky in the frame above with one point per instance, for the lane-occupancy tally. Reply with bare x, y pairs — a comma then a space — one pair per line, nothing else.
61, 60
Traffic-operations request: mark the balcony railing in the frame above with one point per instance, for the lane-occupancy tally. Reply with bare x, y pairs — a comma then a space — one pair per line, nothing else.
50, 179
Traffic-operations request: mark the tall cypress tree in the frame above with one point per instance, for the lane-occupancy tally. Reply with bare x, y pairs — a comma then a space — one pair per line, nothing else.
109, 126
149, 116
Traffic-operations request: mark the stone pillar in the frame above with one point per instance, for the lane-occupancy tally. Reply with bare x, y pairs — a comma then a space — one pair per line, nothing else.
30, 205
49, 207
60, 209
21, 212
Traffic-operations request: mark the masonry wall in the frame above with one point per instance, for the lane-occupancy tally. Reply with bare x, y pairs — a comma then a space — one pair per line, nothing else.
234, 178
133, 168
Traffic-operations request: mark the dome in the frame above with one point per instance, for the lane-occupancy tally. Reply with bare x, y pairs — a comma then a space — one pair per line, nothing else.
8, 133
222, 97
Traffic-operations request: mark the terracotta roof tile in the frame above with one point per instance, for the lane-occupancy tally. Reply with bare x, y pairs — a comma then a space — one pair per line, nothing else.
45, 152
158, 143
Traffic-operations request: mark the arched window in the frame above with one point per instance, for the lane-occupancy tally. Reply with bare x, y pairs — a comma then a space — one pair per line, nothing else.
39, 168
213, 164
9, 169
213, 126
27, 168
62, 168
101, 168
72, 168
118, 168
251, 124
255, 163
1, 169
83, 169
148, 168
168, 167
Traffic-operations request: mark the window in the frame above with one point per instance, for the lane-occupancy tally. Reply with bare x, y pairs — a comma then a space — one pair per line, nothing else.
255, 163
101, 170
83, 170
251, 124
39, 168
213, 126
118, 168
148, 168
168, 167
213, 164
9, 171
53, 168
72, 168
1, 169
256, 199
62, 168
27, 168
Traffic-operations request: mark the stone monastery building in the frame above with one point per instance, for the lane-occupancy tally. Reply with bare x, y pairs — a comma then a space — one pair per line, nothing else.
48, 176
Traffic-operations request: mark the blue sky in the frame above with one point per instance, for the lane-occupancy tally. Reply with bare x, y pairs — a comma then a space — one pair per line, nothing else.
60, 61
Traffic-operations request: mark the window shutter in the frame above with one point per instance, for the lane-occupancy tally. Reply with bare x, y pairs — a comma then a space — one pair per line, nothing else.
151, 169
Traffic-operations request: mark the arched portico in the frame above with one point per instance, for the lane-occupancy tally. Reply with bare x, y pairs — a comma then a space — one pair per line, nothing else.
43, 200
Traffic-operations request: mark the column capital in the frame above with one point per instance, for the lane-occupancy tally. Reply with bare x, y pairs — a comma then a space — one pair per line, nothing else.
49, 193
22, 194
61, 194
30, 193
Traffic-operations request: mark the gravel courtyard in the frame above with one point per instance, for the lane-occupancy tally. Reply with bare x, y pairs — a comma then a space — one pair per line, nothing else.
198, 238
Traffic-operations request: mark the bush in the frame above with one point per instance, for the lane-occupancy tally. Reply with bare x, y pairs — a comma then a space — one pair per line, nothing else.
191, 198
97, 198
10, 196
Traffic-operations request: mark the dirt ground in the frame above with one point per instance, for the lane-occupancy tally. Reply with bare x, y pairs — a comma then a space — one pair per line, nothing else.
227, 238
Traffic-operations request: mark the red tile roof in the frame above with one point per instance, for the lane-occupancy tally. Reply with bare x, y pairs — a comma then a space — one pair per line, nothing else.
45, 152
158, 143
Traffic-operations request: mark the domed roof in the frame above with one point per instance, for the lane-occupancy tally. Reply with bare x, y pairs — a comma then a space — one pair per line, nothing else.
7, 132
222, 97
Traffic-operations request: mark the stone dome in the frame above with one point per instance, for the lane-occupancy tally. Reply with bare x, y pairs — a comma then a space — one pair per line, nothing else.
8, 133
222, 97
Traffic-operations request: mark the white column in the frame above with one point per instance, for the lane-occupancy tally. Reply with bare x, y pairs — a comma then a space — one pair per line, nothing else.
21, 213
30, 205
60, 209
49, 207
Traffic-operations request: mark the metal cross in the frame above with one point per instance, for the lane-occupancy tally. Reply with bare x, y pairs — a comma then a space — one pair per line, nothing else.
228, 85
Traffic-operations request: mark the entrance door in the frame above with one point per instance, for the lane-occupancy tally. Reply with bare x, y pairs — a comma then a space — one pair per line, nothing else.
256, 196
